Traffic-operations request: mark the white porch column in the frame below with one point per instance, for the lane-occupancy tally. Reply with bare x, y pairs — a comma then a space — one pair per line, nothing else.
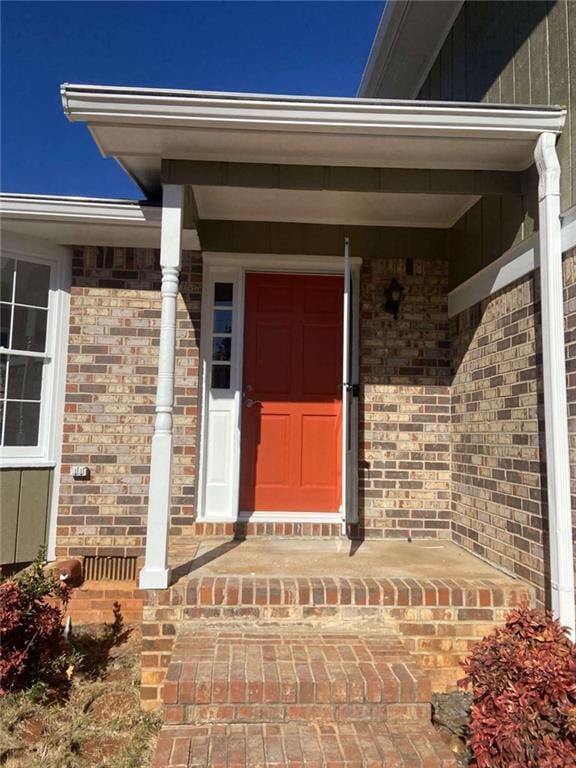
156, 573
554, 372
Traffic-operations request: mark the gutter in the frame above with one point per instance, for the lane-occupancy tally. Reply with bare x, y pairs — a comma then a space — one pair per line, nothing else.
114, 106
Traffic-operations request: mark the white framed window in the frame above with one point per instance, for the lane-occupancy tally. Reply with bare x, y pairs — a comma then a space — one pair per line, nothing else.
32, 357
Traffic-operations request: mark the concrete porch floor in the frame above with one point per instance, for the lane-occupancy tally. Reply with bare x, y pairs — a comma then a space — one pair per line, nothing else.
308, 558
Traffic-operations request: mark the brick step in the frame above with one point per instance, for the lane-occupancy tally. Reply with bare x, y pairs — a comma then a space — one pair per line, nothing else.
267, 597
439, 619
262, 674
302, 745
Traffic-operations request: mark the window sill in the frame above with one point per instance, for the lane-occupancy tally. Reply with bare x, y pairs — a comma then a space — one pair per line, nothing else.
17, 463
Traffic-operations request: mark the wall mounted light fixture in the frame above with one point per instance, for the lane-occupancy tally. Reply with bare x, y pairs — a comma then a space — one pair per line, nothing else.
393, 297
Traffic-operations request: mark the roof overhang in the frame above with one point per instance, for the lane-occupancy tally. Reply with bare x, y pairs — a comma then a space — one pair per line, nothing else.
407, 42
86, 221
141, 126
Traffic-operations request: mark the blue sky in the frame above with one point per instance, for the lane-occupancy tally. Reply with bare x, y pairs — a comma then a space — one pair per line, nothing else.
276, 47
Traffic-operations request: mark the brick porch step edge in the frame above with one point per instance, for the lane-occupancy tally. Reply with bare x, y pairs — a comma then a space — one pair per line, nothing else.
472, 597
302, 745
439, 620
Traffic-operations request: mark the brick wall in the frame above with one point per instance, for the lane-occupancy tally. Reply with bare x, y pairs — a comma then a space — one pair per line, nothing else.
497, 432
405, 407
109, 408
498, 438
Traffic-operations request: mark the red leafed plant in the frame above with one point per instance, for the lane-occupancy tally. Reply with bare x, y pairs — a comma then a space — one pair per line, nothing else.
31, 647
523, 679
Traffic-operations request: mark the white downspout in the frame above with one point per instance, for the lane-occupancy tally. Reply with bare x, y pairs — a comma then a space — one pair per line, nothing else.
554, 372
156, 573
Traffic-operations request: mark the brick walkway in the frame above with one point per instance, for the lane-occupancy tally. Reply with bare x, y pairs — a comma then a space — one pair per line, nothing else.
295, 696
296, 745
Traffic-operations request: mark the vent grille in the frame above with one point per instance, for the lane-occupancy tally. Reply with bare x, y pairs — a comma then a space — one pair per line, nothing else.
102, 568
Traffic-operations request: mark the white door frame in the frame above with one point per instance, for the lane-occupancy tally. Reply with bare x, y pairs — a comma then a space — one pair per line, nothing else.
221, 411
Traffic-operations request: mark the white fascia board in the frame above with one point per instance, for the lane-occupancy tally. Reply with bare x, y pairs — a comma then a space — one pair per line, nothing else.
107, 106
86, 221
409, 37
89, 208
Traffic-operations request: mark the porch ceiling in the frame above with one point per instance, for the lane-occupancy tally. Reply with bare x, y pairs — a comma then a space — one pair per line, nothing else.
329, 207
140, 127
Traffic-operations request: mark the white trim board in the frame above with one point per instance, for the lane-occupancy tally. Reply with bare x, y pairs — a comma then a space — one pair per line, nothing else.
512, 265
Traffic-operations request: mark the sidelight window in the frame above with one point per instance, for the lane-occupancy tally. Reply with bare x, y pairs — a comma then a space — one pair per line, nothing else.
221, 355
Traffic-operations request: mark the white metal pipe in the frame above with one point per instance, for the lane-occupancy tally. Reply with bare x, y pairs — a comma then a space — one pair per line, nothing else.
346, 388
554, 373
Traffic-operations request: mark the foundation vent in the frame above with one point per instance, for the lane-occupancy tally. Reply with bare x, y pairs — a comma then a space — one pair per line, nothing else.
102, 568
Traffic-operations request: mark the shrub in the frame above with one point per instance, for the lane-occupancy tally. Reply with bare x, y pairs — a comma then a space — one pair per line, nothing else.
523, 679
31, 644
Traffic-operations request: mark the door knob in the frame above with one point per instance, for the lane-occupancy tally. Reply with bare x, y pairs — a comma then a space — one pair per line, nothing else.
249, 402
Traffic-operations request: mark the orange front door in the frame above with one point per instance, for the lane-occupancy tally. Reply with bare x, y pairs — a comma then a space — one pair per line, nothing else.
292, 399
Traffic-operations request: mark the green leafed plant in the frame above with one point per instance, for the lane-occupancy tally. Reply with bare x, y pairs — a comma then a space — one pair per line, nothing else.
523, 680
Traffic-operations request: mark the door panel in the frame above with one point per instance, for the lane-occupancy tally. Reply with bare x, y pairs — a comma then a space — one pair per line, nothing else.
292, 407
319, 450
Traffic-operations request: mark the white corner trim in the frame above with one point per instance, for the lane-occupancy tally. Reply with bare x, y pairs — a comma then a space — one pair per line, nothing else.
554, 375
59, 396
515, 263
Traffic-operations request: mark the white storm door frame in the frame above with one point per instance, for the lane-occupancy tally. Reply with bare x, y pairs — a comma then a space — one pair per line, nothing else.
221, 410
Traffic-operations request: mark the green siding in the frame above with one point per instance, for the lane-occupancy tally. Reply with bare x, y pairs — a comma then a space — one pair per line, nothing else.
9, 505
323, 239
25, 497
516, 52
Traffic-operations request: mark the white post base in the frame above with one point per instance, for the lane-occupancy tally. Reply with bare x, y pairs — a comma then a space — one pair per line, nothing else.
154, 578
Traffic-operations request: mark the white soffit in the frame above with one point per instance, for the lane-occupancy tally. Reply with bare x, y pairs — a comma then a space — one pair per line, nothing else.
86, 221
407, 42
140, 126
327, 207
